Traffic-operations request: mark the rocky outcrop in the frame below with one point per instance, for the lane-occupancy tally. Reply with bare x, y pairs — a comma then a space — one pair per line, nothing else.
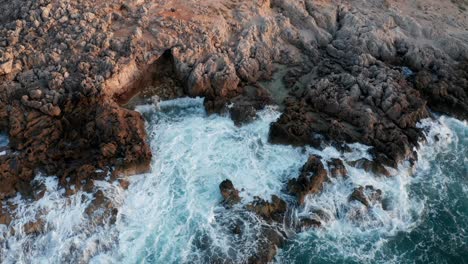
372, 84
313, 176
337, 168
229, 193
53, 100
367, 195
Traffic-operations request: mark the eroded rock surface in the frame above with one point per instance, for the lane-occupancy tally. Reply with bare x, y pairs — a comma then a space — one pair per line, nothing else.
313, 176
367, 195
375, 76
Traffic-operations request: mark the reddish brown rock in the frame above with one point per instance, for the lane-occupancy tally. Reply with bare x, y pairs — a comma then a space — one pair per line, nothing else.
270, 211
310, 181
5, 217
124, 184
34, 228
101, 210
337, 168
370, 166
366, 195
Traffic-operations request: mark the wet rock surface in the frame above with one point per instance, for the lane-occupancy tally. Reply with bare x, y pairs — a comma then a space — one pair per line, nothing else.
313, 176
367, 195
370, 166
270, 211
337, 168
229, 193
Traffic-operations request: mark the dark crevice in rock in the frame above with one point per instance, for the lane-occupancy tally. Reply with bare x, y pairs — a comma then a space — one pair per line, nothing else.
156, 79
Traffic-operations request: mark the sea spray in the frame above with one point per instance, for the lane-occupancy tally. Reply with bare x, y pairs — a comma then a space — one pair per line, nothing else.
173, 214
65, 232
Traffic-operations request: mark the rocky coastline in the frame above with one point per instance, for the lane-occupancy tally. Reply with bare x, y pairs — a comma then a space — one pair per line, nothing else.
341, 72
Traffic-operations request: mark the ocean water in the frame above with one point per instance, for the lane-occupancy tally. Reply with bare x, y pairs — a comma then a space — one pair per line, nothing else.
173, 214
3, 143
3, 140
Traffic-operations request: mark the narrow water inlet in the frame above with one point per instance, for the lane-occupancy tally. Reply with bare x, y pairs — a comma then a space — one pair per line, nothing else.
3, 144
3, 140
173, 214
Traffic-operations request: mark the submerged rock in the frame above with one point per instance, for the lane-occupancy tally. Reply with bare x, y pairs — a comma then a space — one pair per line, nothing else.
307, 223
270, 237
101, 210
34, 228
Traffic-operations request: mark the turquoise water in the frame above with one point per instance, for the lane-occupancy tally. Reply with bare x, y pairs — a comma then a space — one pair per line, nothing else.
3, 140
173, 214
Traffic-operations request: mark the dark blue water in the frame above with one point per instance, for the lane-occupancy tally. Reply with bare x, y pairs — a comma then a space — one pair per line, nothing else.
3, 140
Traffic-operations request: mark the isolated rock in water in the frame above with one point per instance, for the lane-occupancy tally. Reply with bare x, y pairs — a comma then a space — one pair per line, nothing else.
310, 181
229, 193
270, 237
337, 168
5, 217
366, 195
242, 113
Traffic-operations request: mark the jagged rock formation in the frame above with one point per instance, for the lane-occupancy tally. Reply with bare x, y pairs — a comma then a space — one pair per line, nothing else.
313, 176
367, 85
353, 71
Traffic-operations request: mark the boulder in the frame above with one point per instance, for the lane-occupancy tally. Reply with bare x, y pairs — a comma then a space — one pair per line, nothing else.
367, 195
310, 181
229, 193
337, 168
